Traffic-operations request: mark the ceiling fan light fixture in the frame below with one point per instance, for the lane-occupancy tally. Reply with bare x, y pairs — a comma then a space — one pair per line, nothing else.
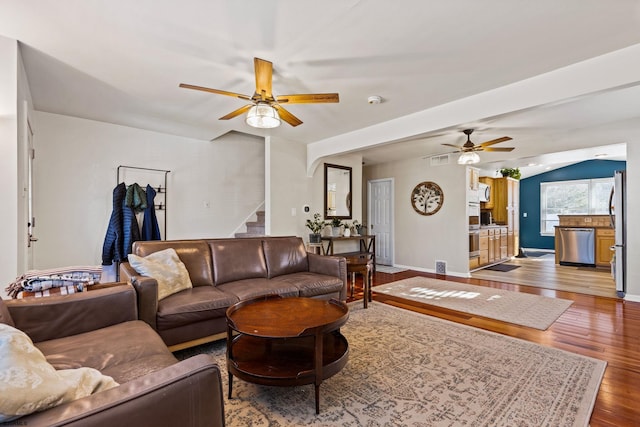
468, 158
263, 116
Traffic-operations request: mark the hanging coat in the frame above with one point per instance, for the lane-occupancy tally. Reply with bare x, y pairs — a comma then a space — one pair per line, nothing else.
122, 231
150, 227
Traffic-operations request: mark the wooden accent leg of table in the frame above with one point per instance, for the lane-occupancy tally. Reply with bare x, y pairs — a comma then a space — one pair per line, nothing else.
230, 384
366, 287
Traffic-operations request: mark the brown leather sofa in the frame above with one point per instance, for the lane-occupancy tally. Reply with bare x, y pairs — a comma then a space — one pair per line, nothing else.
225, 271
99, 329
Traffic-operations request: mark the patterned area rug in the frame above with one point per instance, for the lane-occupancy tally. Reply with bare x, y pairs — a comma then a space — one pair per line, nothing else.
533, 311
408, 369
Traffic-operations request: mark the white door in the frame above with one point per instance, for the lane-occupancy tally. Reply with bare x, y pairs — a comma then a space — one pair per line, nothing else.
30, 213
380, 217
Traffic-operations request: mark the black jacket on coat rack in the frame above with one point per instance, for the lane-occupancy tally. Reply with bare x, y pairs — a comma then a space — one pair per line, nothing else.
150, 227
123, 229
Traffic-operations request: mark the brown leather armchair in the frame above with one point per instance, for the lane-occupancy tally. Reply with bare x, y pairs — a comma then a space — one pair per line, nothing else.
99, 329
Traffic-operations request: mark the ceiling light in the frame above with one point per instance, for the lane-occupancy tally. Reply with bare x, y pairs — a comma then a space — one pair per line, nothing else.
532, 164
374, 99
599, 155
263, 116
468, 158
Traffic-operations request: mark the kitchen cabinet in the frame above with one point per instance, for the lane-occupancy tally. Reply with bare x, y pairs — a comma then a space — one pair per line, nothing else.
484, 246
506, 210
493, 245
605, 238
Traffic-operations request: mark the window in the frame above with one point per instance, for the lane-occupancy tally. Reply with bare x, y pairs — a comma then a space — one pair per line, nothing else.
579, 197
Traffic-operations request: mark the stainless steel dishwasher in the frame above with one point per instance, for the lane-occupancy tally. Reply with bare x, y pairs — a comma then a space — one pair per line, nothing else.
577, 246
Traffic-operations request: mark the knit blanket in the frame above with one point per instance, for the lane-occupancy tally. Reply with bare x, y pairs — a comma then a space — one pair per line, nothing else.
40, 280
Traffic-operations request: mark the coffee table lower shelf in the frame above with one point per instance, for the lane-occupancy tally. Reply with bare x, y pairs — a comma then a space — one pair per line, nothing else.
286, 361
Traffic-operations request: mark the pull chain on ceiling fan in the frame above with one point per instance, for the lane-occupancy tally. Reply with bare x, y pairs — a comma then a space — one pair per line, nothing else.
469, 150
265, 110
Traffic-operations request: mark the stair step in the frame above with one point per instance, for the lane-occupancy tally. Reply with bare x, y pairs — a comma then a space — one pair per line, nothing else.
245, 235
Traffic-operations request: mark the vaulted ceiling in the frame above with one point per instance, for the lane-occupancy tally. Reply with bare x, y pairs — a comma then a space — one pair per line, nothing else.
121, 62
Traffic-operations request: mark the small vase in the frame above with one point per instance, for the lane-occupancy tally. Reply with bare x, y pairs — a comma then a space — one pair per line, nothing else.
335, 231
315, 238
347, 232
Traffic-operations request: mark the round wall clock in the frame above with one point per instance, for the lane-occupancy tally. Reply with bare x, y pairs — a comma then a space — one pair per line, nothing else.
427, 198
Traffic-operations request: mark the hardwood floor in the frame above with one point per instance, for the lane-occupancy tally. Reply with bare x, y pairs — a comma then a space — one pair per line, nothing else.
601, 327
544, 272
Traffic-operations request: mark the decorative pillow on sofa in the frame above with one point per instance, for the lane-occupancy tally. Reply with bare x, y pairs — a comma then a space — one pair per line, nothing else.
28, 383
164, 266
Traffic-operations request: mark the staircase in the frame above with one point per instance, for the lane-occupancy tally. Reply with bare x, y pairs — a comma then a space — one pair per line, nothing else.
254, 228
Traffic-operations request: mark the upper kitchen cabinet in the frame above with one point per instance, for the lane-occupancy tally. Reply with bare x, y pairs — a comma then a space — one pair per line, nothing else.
506, 210
473, 180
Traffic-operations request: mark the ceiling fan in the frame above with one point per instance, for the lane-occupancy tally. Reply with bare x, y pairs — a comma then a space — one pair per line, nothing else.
468, 150
265, 109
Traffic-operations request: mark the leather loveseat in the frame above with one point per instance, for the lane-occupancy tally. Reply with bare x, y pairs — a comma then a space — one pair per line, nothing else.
99, 329
225, 271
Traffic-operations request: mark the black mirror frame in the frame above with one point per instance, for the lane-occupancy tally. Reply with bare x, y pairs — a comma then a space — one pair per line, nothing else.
326, 192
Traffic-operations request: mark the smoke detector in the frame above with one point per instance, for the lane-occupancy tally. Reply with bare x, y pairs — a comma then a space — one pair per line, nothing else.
374, 99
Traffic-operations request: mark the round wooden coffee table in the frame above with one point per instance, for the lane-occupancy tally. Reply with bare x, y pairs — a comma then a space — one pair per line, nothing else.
286, 341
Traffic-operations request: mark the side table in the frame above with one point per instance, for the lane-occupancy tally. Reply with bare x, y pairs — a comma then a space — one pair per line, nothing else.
362, 264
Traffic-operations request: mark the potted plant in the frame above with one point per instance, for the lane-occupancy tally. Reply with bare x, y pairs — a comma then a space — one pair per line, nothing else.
336, 223
316, 225
357, 227
511, 172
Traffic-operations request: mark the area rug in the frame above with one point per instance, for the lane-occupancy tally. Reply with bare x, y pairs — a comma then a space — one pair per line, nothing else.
388, 269
408, 369
536, 254
533, 311
502, 267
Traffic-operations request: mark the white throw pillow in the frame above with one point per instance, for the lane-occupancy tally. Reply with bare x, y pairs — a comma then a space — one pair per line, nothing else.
164, 266
28, 383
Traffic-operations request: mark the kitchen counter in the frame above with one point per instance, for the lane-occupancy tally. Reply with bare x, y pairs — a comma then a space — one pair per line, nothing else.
605, 227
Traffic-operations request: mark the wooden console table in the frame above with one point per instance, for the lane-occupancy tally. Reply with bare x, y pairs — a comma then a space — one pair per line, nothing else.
367, 246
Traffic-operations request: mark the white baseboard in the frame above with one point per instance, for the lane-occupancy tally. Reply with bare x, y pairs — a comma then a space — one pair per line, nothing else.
430, 270
633, 298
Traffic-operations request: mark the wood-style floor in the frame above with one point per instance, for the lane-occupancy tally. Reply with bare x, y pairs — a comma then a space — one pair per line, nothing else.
542, 271
595, 326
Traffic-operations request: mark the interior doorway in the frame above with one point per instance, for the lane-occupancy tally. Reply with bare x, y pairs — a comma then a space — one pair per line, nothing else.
380, 217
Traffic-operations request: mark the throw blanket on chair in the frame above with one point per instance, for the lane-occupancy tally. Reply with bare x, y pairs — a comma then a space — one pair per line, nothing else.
40, 280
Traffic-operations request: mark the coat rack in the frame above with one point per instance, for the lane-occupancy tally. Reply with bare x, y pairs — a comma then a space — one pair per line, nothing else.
161, 189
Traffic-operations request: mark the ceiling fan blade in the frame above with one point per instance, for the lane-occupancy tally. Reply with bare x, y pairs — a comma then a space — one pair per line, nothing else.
459, 147
497, 149
308, 98
219, 92
495, 141
264, 78
237, 112
287, 116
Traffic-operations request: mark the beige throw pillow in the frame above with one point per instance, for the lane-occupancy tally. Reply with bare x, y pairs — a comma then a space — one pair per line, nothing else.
28, 383
164, 266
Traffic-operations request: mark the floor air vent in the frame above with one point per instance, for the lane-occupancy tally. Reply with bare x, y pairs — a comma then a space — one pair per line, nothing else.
441, 267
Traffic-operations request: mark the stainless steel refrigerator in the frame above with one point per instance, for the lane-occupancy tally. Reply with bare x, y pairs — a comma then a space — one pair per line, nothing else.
617, 213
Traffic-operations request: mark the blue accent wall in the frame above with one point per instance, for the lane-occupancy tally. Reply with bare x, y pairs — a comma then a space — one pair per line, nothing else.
530, 196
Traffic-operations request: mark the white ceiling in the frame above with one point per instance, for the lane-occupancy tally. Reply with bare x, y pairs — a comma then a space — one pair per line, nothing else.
121, 62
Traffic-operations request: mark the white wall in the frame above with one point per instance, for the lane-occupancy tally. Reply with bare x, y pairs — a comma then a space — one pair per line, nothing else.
9, 182
289, 188
76, 166
421, 240
633, 226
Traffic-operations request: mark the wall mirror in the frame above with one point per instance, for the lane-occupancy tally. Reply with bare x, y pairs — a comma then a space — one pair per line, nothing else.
337, 191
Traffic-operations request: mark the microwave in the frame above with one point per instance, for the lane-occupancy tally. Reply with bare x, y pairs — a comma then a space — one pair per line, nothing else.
484, 191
